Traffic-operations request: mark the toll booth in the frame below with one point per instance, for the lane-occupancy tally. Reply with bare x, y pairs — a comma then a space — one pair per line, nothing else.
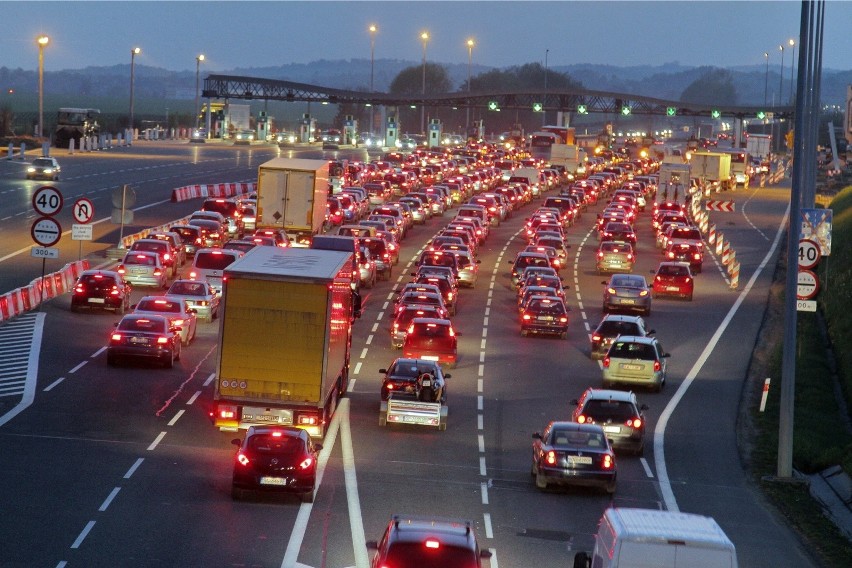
262, 125
350, 130
307, 127
391, 132
435, 133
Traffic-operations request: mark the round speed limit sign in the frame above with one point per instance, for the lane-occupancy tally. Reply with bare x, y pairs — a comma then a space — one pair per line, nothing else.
809, 254
47, 201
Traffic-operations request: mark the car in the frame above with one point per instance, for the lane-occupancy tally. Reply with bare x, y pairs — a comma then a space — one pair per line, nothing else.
331, 138
618, 231
242, 245
447, 286
213, 233
618, 412
279, 237
367, 269
614, 256
244, 137
403, 317
275, 458
427, 542
210, 263
285, 138
635, 361
44, 168
180, 315
168, 255
432, 339
190, 236
175, 240
139, 336
102, 289
198, 296
380, 254
403, 372
229, 208
143, 268
688, 252
673, 279
627, 292
568, 453
545, 315
524, 260
468, 266
613, 325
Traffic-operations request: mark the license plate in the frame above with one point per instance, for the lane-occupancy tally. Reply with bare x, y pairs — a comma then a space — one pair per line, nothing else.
427, 383
545, 318
139, 340
273, 481
627, 301
96, 300
585, 460
265, 418
672, 288
615, 429
429, 357
631, 367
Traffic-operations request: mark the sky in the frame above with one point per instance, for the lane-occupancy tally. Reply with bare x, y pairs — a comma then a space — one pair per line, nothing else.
242, 34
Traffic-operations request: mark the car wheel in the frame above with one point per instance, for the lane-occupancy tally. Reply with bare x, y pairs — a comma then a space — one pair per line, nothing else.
308, 496
689, 298
524, 333
540, 481
640, 450
563, 335
653, 295
610, 489
75, 308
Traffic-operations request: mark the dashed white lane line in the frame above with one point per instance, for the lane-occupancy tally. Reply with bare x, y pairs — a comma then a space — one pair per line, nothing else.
109, 499
483, 488
156, 441
77, 368
53, 384
357, 368
177, 416
133, 468
82, 536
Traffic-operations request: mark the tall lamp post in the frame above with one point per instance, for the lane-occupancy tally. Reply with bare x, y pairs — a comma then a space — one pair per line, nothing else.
425, 37
470, 44
781, 73
198, 61
42, 41
133, 53
544, 103
792, 68
766, 80
373, 29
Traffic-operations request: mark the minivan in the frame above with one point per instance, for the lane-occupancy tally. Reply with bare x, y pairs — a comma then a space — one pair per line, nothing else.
210, 263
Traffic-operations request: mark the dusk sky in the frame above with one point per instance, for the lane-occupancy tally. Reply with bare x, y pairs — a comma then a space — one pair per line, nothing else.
268, 33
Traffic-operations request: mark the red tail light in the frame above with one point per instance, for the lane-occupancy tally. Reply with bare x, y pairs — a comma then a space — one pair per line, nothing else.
550, 457
158, 272
432, 543
606, 362
657, 366
608, 462
193, 275
242, 459
583, 419
527, 317
563, 319
113, 292
116, 337
79, 289
634, 423
306, 463
162, 340
596, 338
120, 269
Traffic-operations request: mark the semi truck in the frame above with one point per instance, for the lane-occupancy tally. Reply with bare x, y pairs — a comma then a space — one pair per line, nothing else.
285, 334
711, 169
291, 195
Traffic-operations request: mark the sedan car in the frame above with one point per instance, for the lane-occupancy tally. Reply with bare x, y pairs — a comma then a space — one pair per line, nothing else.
431, 339
275, 458
198, 295
427, 542
691, 253
103, 289
568, 453
44, 168
673, 279
613, 325
244, 137
180, 315
634, 360
403, 373
627, 292
403, 317
618, 412
139, 336
545, 315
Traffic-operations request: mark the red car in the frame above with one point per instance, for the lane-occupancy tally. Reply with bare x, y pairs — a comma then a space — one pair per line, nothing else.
673, 279
431, 339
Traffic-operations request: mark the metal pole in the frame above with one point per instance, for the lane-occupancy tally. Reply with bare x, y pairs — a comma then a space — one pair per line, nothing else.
42, 41
792, 68
198, 61
133, 53
123, 201
469, 62
766, 80
781, 75
373, 30
425, 37
544, 103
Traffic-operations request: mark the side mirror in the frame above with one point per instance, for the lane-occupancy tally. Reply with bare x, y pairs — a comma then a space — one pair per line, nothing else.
372, 545
485, 553
447, 376
385, 372
575, 402
643, 407
317, 447
650, 331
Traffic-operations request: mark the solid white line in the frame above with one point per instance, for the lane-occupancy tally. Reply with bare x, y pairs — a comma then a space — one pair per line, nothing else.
133, 468
489, 533
109, 499
300, 526
177, 416
193, 398
356, 521
53, 384
483, 488
647, 467
156, 441
83, 534
98, 352
210, 379
660, 429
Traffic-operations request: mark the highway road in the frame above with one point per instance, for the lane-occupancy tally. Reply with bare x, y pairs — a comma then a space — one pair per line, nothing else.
122, 467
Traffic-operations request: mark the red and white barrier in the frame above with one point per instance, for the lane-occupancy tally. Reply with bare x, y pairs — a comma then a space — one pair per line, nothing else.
720, 243
55, 284
735, 275
711, 235
726, 253
212, 190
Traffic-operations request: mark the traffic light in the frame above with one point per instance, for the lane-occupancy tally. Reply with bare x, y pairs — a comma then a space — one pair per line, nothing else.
537, 107
582, 109
671, 111
715, 113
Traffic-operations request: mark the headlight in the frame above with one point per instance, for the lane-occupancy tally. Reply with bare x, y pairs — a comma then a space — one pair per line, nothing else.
48, 170
31, 170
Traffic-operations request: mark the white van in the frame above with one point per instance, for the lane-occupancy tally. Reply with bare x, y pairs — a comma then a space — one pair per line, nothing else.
210, 264
638, 538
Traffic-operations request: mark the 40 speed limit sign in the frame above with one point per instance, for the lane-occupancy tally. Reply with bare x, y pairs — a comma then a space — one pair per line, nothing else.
47, 201
809, 254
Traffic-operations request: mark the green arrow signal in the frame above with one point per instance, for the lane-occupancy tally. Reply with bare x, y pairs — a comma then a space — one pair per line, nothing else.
492, 105
582, 109
625, 110
761, 115
671, 111
537, 107
715, 113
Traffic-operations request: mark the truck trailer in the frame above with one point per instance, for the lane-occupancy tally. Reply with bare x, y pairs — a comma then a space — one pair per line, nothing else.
291, 195
285, 333
712, 169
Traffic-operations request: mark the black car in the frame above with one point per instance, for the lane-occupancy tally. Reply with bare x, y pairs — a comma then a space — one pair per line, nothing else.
568, 453
546, 315
144, 337
421, 542
275, 458
402, 375
618, 412
102, 289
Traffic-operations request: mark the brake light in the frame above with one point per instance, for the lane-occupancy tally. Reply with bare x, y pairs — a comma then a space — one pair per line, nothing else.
527, 317
432, 543
162, 340
167, 256
606, 363
158, 272
193, 275
643, 293
242, 459
635, 423
607, 462
120, 269
452, 332
583, 419
306, 463
79, 288
596, 338
308, 420
116, 337
696, 256
563, 319
657, 366
550, 457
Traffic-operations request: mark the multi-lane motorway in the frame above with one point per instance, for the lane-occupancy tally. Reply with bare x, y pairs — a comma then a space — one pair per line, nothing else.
121, 467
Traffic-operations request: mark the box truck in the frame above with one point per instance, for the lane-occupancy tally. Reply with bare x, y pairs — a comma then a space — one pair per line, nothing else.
570, 156
291, 195
639, 538
712, 169
285, 333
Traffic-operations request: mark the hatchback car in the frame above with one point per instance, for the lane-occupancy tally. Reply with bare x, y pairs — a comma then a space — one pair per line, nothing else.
142, 268
618, 412
403, 317
613, 256
431, 339
673, 279
634, 360
180, 315
380, 254
143, 337
190, 236
527, 259
210, 263
167, 253
427, 543
545, 315
613, 325
198, 296
627, 292
568, 453
691, 253
44, 168
275, 458
102, 289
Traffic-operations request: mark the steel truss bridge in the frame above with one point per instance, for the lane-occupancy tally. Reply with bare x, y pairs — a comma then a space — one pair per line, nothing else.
580, 101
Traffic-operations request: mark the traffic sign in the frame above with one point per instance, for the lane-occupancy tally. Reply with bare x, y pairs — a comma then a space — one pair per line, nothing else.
806, 305
44, 252
47, 200
84, 210
807, 285
124, 196
809, 254
46, 231
81, 232
713, 205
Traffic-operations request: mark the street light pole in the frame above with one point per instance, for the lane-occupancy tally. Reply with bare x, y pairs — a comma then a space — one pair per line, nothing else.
425, 37
792, 67
42, 41
133, 53
766, 80
198, 61
373, 29
470, 44
781, 73
544, 103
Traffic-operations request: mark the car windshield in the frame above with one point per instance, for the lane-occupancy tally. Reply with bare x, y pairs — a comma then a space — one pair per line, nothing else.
188, 288
445, 556
270, 444
142, 324
213, 260
629, 350
159, 305
577, 439
615, 410
410, 369
42, 162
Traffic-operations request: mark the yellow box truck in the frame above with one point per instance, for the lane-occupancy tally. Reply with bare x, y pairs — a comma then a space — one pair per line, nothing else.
285, 334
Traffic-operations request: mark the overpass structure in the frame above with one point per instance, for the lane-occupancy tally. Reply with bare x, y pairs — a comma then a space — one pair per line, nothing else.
581, 101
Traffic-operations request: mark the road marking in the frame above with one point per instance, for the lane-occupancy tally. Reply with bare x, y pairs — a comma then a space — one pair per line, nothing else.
364, 353
83, 534
480, 425
351, 387
481, 371
357, 368
156, 441
356, 521
479, 402
133, 468
483, 488
176, 417
375, 327
482, 466
31, 323
478, 385
193, 398
109, 499
481, 441
489, 533
53, 384
209, 379
77, 368
647, 467
98, 352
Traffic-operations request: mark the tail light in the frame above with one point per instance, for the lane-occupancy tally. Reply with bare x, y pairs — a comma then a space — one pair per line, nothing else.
657, 366
120, 269
116, 337
242, 459
308, 420
162, 340
596, 337
696, 256
527, 317
634, 423
158, 272
113, 292
563, 319
306, 463
79, 289
550, 457
193, 275
432, 543
608, 462
179, 322
629, 257
606, 362
167, 256
584, 420
452, 332
643, 293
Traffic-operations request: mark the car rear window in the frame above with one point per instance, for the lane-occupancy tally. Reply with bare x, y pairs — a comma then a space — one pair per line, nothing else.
670, 270
97, 282
214, 260
547, 307
150, 246
619, 328
615, 410
188, 288
142, 324
140, 259
226, 208
269, 444
158, 305
628, 350
577, 439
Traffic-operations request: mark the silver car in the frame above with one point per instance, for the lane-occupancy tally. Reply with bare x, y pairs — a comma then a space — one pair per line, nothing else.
614, 256
209, 264
635, 360
180, 315
198, 295
627, 292
143, 268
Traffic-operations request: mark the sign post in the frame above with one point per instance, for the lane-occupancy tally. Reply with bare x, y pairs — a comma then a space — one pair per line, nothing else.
46, 231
